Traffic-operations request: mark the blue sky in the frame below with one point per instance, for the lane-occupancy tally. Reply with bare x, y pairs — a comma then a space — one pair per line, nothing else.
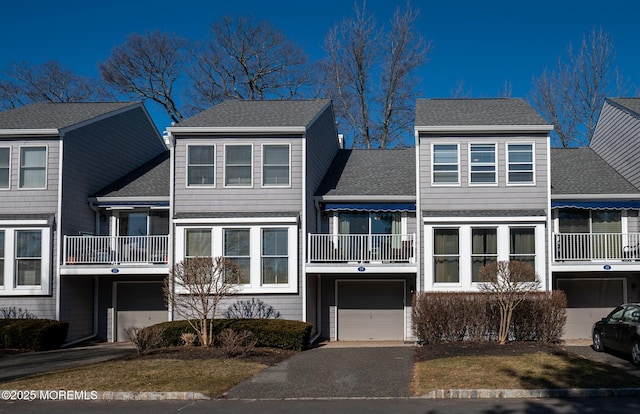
482, 43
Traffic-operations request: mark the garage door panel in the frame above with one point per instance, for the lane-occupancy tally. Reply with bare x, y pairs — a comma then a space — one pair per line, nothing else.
370, 310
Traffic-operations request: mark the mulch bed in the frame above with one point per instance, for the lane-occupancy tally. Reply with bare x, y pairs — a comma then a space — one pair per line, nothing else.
457, 349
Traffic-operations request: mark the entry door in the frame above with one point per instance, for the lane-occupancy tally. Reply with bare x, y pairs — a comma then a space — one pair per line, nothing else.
370, 310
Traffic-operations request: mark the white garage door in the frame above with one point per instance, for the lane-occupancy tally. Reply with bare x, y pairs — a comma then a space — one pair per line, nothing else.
139, 305
370, 310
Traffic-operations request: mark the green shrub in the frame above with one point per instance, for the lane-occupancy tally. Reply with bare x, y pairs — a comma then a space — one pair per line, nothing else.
32, 334
274, 333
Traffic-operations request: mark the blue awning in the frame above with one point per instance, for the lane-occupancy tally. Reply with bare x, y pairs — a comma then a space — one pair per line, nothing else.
370, 207
598, 205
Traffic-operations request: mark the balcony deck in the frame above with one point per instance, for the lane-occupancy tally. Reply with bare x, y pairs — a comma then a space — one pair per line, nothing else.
108, 252
587, 250
348, 251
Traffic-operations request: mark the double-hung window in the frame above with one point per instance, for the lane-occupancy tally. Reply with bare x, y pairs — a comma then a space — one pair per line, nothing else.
445, 164
482, 164
484, 250
275, 256
33, 167
197, 243
522, 245
200, 165
238, 166
446, 255
520, 168
275, 165
5, 154
237, 250
28, 260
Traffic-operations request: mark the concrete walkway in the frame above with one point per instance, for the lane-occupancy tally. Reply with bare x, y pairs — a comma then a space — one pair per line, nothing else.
15, 366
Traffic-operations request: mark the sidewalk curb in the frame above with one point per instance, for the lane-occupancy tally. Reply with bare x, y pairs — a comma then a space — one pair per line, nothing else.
539, 393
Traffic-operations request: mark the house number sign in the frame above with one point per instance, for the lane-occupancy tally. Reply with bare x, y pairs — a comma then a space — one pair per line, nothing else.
362, 269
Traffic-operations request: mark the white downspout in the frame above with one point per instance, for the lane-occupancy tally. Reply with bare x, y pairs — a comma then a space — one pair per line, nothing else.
59, 237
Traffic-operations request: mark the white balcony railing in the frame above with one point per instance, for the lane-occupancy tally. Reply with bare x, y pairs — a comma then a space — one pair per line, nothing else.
596, 247
360, 248
112, 250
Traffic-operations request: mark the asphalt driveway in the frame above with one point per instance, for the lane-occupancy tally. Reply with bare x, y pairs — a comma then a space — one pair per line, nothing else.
327, 372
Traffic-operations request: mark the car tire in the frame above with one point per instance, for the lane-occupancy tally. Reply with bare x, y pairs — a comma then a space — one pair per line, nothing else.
597, 342
635, 352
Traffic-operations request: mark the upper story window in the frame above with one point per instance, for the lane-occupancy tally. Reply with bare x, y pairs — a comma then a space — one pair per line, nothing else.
275, 165
201, 165
238, 166
445, 164
33, 167
237, 250
520, 164
5, 154
482, 164
197, 243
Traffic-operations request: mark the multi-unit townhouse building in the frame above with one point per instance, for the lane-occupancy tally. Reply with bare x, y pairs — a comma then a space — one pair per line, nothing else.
337, 237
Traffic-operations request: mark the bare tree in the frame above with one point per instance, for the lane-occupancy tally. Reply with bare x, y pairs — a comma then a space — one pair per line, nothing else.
250, 60
148, 66
571, 95
371, 75
25, 84
509, 282
461, 90
194, 289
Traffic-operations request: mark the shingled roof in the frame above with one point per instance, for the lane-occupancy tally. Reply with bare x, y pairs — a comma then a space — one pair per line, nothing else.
630, 104
56, 115
380, 172
472, 112
581, 171
152, 179
252, 114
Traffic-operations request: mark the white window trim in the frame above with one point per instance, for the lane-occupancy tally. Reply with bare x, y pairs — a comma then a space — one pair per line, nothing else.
465, 283
256, 286
240, 285
10, 288
262, 165
495, 165
433, 163
533, 164
224, 178
186, 178
8, 187
46, 166
461, 267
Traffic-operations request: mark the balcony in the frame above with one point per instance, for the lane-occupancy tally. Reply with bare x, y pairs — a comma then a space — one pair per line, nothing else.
361, 248
596, 247
115, 250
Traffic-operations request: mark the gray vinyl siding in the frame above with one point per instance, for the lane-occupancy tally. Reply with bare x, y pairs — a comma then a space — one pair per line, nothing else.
490, 197
97, 155
238, 199
31, 201
77, 306
289, 306
617, 141
43, 307
322, 147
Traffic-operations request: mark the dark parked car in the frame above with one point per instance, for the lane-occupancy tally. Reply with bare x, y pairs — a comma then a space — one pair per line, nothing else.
620, 331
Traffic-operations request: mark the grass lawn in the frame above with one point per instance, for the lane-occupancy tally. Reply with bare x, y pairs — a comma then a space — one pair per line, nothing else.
531, 371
